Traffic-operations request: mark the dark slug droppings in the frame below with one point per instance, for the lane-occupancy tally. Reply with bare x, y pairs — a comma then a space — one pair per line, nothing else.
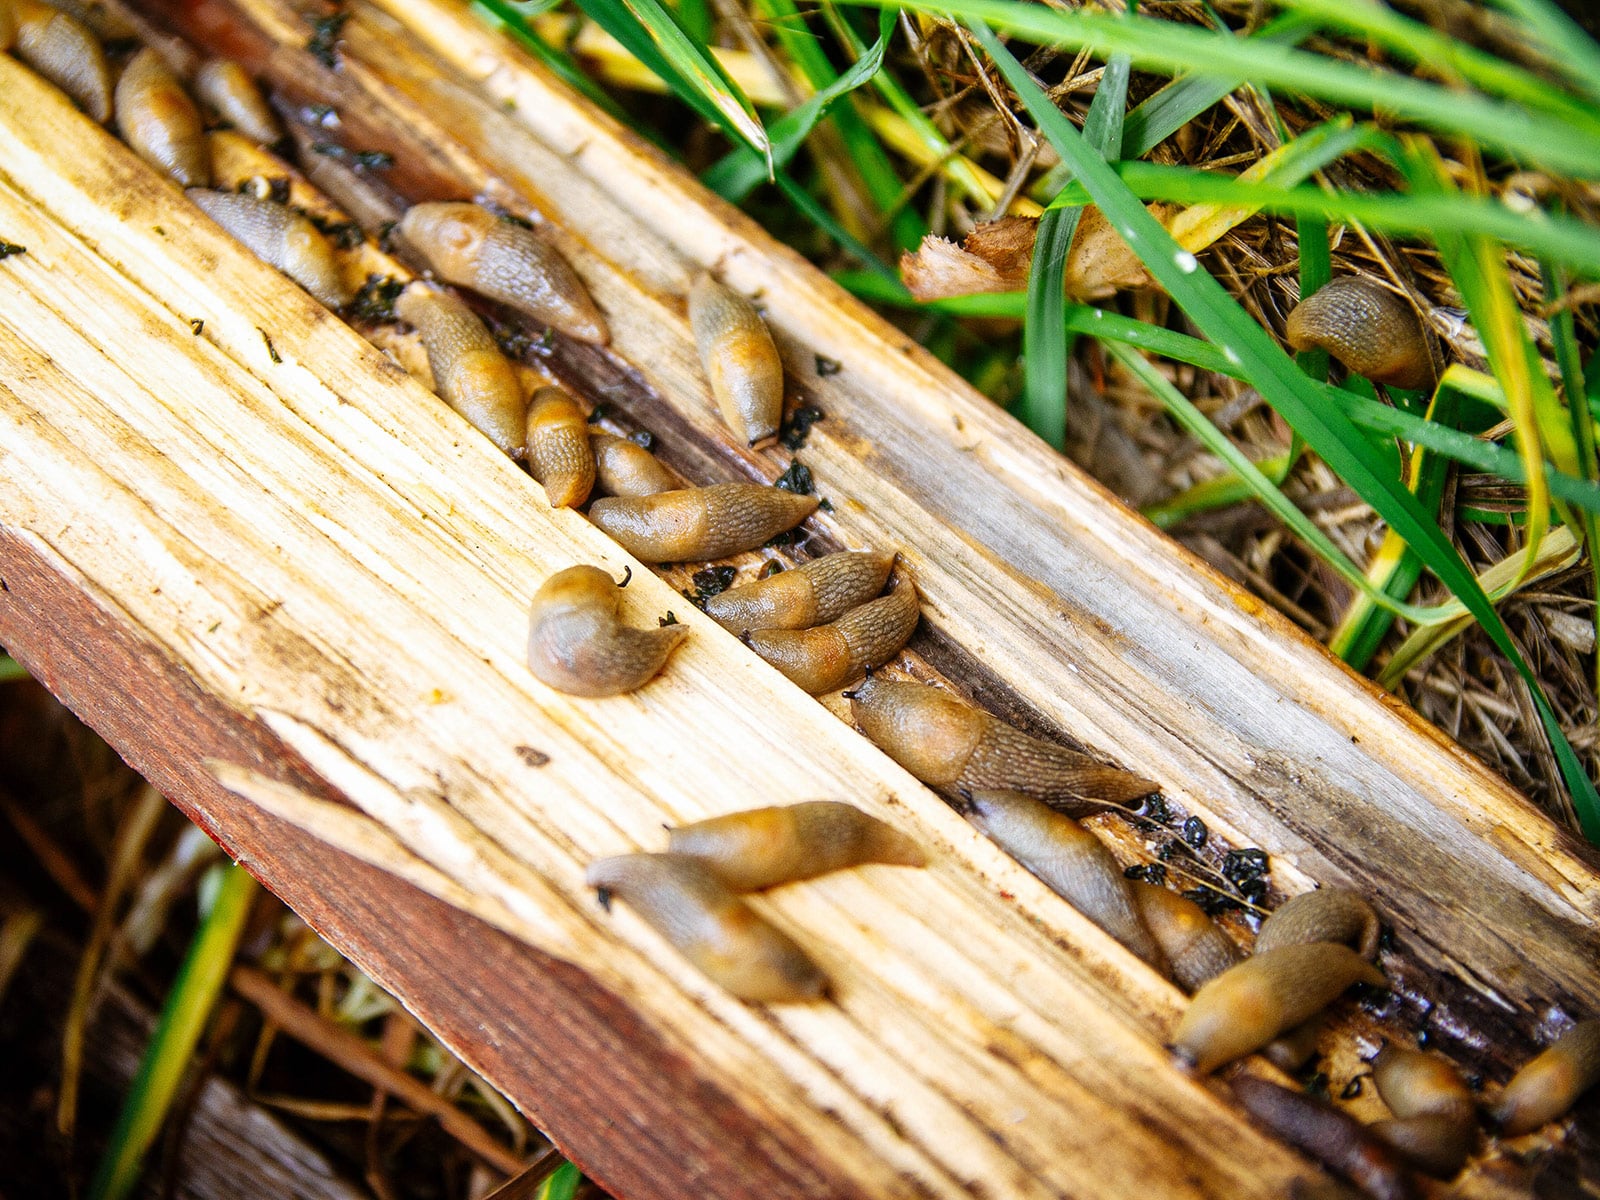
1242, 866
599, 413
386, 236
7, 249
1254, 891
712, 581
827, 366
325, 116
1317, 1086
1155, 873
1155, 809
361, 160
323, 43
798, 426
531, 757
375, 301
1169, 850
345, 235
1195, 832
603, 895
796, 479
1211, 901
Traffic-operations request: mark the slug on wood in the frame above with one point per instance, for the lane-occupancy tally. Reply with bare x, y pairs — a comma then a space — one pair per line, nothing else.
1325, 915
279, 237
739, 358
1196, 948
830, 656
505, 261
1070, 861
813, 593
228, 90
1268, 994
1330, 1136
765, 847
160, 123
559, 456
577, 645
1547, 1086
699, 524
949, 744
625, 468
1435, 1119
62, 49
469, 372
1369, 329
708, 924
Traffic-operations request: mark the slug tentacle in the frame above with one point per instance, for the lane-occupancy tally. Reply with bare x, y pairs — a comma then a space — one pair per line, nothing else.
814, 593
682, 900
949, 744
64, 50
830, 656
227, 89
1196, 948
1070, 861
1325, 915
765, 847
699, 524
1369, 329
160, 123
1266, 995
577, 645
740, 360
625, 468
469, 372
1330, 1136
1547, 1086
559, 456
281, 238
506, 261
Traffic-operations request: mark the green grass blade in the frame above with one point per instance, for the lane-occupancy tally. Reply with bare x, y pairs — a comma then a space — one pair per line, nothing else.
513, 21
562, 1183
811, 208
1571, 50
183, 1018
11, 669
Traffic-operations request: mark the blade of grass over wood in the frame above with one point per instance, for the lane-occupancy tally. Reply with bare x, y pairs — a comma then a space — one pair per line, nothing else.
1166, 46
11, 669
183, 1018
562, 1184
514, 22
1572, 51
1295, 397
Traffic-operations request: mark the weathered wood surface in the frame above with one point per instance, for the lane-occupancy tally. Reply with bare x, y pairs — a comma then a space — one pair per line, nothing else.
309, 568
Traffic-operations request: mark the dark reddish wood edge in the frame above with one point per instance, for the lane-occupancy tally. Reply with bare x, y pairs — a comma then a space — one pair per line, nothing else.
567, 1051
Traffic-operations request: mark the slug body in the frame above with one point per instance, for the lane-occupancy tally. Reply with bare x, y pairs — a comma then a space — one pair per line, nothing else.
558, 447
948, 744
1247, 1006
1435, 1119
624, 468
682, 900
699, 524
1325, 915
227, 90
1071, 862
62, 49
765, 847
830, 656
814, 593
469, 372
281, 238
473, 248
1547, 1086
577, 645
160, 123
1328, 1135
739, 358
1196, 949
1369, 329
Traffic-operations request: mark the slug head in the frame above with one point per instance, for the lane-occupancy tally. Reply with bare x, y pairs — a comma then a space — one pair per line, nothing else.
449, 235
925, 730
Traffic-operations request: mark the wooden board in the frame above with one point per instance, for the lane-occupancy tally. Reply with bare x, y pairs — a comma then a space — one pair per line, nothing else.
300, 563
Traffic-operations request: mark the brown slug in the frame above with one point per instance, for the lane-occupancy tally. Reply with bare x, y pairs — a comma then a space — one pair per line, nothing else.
227, 89
950, 744
577, 645
1266, 995
813, 593
830, 656
764, 847
281, 238
1293, 1049
469, 372
1070, 861
740, 360
699, 524
64, 50
1369, 329
1547, 1086
1435, 1118
506, 261
1329, 1135
160, 123
1325, 915
625, 468
682, 900
1195, 947
559, 456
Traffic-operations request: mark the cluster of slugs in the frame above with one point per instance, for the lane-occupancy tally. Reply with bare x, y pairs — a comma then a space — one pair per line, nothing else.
825, 623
